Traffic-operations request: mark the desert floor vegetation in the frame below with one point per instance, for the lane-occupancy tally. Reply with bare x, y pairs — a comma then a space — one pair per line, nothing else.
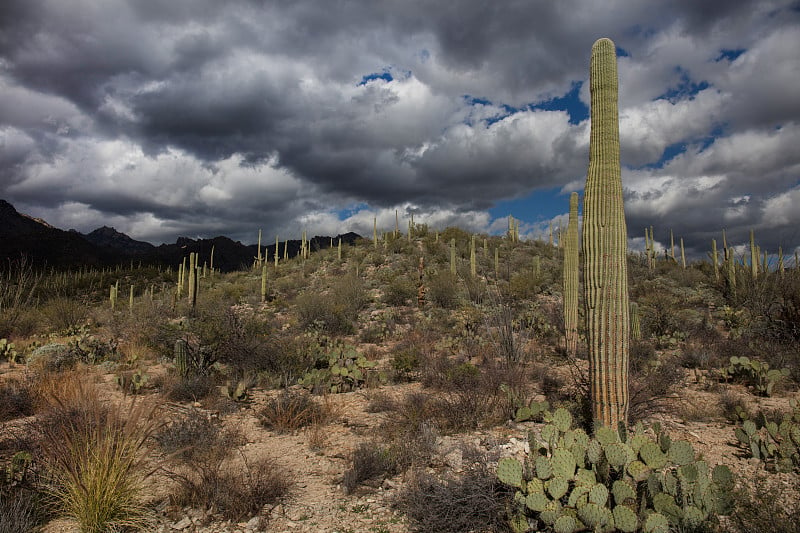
367, 393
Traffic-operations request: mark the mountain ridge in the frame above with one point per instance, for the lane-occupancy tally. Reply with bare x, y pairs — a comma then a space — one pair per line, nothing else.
45, 246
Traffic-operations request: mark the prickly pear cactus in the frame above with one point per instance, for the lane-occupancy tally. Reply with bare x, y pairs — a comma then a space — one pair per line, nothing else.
614, 481
775, 442
756, 373
339, 369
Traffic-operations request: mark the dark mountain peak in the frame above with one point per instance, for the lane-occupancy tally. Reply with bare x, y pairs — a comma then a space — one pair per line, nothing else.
6, 208
111, 238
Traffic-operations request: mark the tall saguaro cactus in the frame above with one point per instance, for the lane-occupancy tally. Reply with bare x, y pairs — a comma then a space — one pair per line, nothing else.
571, 277
605, 248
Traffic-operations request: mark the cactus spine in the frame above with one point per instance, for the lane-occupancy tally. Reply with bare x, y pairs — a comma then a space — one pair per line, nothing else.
339, 250
277, 247
452, 256
753, 255
571, 277
375, 231
605, 248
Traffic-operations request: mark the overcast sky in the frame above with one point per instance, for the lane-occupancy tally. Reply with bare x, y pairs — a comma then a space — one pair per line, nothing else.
167, 118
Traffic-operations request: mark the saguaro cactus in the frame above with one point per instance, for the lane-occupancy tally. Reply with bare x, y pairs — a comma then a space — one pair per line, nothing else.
452, 256
605, 248
473, 267
571, 278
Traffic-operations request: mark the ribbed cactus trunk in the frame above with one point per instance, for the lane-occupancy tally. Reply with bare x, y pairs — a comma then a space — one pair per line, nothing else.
683, 255
605, 248
715, 258
473, 267
571, 278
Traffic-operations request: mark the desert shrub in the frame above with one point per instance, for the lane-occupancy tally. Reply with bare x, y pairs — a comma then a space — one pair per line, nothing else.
380, 402
189, 388
652, 381
507, 337
524, 285
473, 501
405, 362
476, 289
765, 507
443, 290
64, 314
94, 459
399, 291
245, 343
53, 357
16, 399
201, 450
734, 407
18, 284
350, 293
242, 492
453, 411
368, 461
321, 312
658, 309
193, 436
291, 410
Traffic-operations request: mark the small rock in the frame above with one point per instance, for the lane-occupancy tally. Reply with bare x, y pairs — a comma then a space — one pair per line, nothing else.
253, 524
183, 524
454, 460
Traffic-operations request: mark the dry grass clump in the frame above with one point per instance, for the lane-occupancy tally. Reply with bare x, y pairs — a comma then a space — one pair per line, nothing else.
94, 458
190, 388
369, 461
474, 501
292, 410
20, 510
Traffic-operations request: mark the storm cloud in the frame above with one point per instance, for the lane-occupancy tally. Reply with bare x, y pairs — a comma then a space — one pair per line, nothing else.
202, 118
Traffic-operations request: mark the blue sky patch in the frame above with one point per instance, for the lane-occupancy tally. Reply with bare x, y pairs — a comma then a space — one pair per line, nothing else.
730, 55
570, 102
538, 206
351, 210
385, 76
685, 88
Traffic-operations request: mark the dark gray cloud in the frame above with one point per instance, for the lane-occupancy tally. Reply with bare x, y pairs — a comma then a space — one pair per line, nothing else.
217, 117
